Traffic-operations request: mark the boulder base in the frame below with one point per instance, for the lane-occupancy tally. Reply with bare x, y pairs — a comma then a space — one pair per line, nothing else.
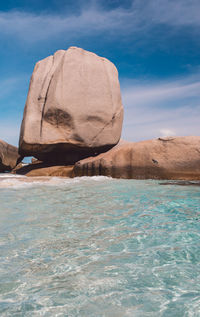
73, 108
44, 169
175, 158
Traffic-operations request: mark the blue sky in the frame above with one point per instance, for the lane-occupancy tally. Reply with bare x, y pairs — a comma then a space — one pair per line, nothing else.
155, 45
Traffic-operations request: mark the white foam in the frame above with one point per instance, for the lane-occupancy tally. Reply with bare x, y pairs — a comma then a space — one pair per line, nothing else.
93, 178
20, 181
8, 175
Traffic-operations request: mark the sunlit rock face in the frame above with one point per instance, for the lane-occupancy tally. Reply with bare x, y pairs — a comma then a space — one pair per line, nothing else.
73, 107
163, 158
9, 156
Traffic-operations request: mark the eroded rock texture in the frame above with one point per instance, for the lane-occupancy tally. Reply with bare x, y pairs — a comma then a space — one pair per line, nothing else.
163, 158
73, 108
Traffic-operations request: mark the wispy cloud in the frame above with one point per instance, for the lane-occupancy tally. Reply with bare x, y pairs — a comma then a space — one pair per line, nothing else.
32, 28
175, 13
139, 18
146, 93
161, 108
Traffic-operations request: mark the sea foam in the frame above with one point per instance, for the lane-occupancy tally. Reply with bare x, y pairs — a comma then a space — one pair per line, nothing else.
18, 181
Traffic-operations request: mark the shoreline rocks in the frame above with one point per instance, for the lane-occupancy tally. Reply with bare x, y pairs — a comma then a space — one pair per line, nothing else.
9, 156
73, 108
175, 158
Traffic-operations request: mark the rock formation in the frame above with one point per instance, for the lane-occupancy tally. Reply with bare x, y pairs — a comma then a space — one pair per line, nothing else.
73, 115
163, 158
9, 156
73, 108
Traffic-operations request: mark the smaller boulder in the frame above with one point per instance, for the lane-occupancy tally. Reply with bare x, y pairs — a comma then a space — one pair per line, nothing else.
9, 157
176, 158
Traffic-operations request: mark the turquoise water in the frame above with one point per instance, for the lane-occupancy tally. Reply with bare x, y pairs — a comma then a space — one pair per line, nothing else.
98, 247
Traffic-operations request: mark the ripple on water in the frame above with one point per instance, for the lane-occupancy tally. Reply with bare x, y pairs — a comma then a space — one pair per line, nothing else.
98, 247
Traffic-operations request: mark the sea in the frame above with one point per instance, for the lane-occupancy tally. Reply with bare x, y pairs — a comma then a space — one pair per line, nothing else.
97, 246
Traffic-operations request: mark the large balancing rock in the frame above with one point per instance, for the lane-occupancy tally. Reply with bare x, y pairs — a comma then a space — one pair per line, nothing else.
175, 158
9, 156
73, 107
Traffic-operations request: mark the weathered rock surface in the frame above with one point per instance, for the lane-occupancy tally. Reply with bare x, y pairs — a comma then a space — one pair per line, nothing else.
9, 156
73, 108
44, 169
163, 158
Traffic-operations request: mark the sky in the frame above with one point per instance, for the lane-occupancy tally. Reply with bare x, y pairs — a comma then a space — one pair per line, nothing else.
155, 45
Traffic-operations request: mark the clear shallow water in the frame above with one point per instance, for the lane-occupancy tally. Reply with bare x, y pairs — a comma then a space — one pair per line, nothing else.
98, 247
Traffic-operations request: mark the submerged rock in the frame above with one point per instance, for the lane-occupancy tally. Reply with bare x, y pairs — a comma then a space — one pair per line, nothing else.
163, 158
9, 156
182, 183
73, 108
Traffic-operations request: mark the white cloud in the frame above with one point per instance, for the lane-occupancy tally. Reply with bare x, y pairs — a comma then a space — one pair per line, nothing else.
141, 17
167, 132
161, 108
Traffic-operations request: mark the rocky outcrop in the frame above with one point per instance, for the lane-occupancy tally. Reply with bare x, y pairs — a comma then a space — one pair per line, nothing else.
163, 158
9, 156
73, 108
